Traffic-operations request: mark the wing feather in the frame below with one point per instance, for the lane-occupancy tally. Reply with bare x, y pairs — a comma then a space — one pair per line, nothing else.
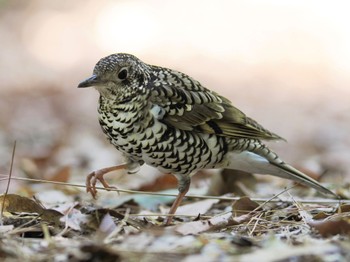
188, 105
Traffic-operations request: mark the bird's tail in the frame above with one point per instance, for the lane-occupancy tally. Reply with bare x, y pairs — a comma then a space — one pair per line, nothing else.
261, 160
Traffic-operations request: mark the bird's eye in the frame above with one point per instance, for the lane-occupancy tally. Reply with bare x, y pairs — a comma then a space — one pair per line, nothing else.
123, 74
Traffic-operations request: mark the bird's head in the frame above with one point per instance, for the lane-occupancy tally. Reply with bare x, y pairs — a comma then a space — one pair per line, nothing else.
119, 77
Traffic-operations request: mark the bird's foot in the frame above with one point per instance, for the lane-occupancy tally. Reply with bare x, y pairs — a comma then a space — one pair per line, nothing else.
93, 177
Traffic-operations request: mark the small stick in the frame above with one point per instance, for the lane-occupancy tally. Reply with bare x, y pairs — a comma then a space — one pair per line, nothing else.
8, 182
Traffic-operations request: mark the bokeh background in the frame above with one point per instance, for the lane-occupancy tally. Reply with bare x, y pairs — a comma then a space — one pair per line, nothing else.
284, 63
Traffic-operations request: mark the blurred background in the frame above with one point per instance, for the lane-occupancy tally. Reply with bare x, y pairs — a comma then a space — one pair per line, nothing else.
284, 63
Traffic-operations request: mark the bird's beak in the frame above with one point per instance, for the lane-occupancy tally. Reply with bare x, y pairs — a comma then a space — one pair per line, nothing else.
91, 81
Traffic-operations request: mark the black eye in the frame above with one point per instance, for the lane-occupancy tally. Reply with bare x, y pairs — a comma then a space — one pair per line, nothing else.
123, 74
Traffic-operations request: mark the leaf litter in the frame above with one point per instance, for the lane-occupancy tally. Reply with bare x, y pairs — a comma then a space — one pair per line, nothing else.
74, 227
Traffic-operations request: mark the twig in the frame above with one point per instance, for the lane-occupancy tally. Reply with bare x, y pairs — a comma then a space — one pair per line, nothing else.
8, 182
260, 200
271, 199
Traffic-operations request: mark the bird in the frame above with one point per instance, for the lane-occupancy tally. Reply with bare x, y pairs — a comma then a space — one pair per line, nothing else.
166, 119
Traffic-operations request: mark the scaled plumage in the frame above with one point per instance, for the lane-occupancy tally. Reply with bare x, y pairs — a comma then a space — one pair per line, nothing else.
168, 120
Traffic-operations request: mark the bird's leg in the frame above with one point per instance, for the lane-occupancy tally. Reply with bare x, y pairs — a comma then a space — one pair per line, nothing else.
92, 178
184, 186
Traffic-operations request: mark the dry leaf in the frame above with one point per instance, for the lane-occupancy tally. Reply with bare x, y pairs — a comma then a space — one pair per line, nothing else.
320, 215
107, 224
73, 217
19, 204
6, 228
232, 181
331, 227
163, 182
62, 175
216, 223
106, 227
344, 208
277, 250
198, 207
243, 206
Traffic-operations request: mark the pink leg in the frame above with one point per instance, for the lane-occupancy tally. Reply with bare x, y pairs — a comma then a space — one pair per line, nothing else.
182, 192
92, 178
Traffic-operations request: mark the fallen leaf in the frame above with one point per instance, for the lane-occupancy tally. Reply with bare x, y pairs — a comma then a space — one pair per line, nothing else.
277, 250
344, 208
54, 198
216, 222
19, 204
74, 218
6, 228
232, 181
328, 228
106, 227
163, 182
198, 207
16, 203
243, 206
62, 175
320, 215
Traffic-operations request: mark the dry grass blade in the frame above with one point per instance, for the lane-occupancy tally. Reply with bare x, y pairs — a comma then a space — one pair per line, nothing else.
120, 190
8, 182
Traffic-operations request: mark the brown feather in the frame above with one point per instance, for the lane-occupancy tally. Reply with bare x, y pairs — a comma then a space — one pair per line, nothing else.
193, 107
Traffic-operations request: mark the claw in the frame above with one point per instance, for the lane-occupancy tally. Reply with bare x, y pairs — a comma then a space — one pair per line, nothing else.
93, 177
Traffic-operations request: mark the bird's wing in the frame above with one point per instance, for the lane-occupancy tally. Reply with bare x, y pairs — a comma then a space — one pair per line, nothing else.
187, 105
